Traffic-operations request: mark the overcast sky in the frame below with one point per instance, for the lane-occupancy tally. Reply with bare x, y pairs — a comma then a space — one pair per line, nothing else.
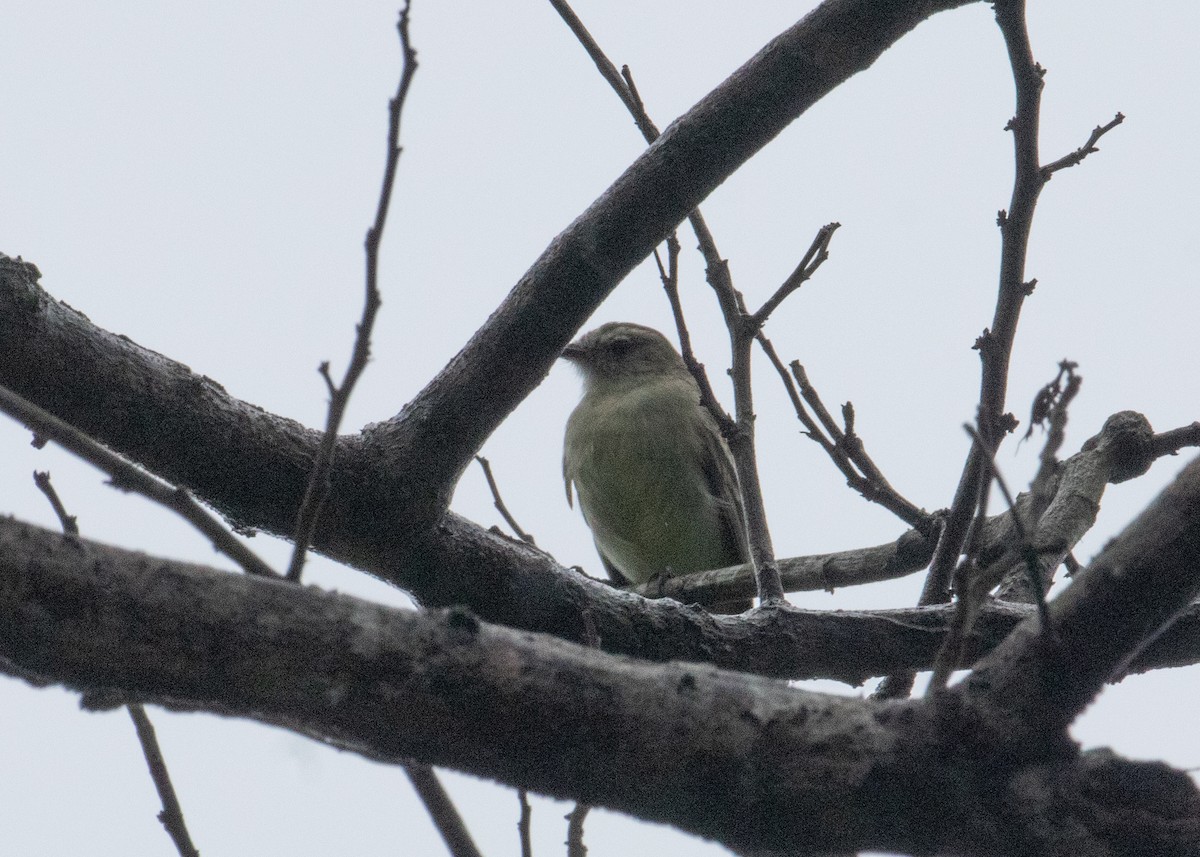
199, 177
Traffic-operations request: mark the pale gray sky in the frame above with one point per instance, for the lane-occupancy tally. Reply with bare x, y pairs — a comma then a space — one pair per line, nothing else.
199, 178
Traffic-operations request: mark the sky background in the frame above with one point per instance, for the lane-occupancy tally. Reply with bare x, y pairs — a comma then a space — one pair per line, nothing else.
199, 178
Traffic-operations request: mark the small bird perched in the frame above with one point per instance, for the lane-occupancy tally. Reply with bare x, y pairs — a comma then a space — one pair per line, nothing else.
655, 479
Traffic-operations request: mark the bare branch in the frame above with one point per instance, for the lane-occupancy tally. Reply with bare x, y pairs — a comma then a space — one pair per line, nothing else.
1170, 442
436, 686
524, 823
973, 582
817, 253
1141, 582
68, 521
670, 281
844, 448
441, 809
498, 501
995, 344
1050, 407
171, 817
742, 444
575, 818
172, 813
125, 477
319, 483
1079, 154
849, 646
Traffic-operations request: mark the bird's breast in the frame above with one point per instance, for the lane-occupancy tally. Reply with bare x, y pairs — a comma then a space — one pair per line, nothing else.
635, 459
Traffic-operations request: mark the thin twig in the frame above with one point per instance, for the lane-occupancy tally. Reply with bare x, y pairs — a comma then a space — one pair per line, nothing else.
977, 582
995, 344
1060, 397
525, 824
742, 445
977, 586
1088, 148
319, 482
817, 253
966, 580
425, 782
625, 91
1027, 550
172, 813
441, 809
171, 816
809, 393
717, 272
69, 523
845, 448
670, 281
1049, 408
124, 476
575, 818
498, 502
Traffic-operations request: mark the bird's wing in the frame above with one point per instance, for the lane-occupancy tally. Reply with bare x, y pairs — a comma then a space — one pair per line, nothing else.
716, 464
614, 575
567, 480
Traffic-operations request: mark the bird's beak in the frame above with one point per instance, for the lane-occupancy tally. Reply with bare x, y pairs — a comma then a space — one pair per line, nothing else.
573, 352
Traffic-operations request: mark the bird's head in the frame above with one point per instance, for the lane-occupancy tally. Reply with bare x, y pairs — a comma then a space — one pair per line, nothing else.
623, 350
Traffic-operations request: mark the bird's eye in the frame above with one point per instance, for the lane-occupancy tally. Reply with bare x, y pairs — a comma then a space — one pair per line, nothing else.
621, 345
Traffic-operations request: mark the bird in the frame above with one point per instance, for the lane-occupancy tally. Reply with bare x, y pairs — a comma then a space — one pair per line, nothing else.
654, 477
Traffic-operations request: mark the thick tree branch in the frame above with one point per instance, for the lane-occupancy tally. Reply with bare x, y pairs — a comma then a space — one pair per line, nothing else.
254, 466
675, 743
850, 646
1145, 578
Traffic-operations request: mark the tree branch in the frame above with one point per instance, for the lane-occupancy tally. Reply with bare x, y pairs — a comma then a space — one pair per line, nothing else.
172, 813
319, 483
171, 817
1125, 447
125, 477
449, 690
441, 808
849, 646
1029, 687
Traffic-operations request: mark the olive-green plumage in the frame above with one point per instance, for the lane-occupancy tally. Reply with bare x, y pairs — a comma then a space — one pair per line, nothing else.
655, 480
